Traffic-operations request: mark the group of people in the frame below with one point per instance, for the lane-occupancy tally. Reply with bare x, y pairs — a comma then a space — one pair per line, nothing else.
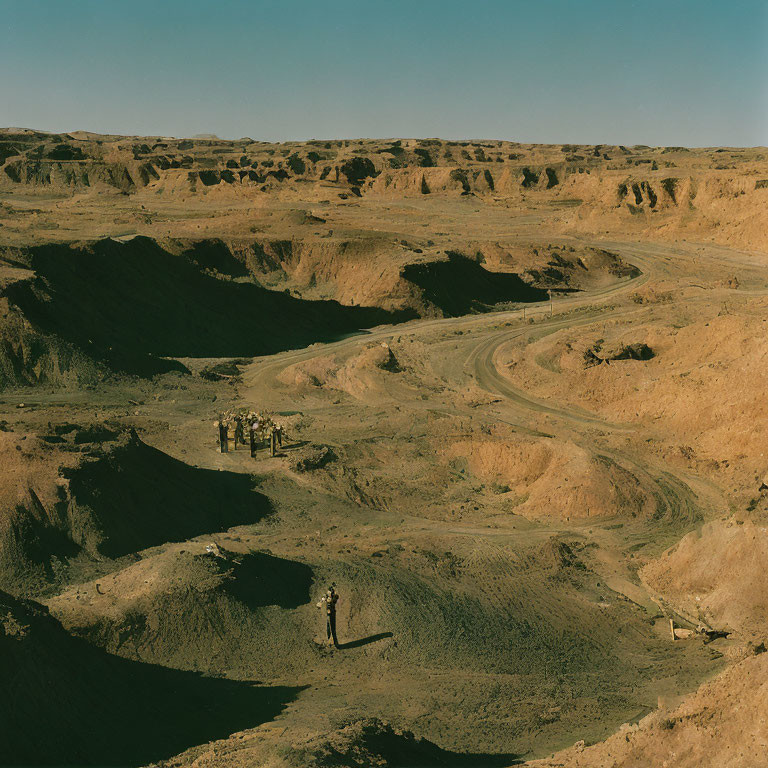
262, 431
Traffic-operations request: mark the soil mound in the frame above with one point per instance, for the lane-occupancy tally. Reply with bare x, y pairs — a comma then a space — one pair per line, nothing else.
371, 742
80, 500
717, 576
191, 608
100, 709
554, 480
359, 376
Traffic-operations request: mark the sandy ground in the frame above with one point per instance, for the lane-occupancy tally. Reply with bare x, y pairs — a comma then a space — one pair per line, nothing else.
511, 510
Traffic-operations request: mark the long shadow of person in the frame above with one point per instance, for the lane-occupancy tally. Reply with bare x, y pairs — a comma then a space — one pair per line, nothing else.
364, 641
294, 445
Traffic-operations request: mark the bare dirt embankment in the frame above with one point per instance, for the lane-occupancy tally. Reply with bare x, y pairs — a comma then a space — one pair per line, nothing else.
77, 499
71, 315
71, 685
720, 725
708, 194
715, 574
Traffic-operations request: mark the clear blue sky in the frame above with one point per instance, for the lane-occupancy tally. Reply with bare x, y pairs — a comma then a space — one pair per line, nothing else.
658, 72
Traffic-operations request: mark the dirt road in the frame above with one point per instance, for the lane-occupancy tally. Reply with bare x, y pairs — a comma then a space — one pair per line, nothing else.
486, 541
430, 405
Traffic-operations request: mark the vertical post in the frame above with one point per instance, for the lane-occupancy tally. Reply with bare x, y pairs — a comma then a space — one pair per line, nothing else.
672, 629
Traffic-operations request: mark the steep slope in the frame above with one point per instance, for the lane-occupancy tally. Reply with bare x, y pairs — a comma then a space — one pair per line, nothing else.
670, 191
722, 724
67, 703
127, 305
77, 499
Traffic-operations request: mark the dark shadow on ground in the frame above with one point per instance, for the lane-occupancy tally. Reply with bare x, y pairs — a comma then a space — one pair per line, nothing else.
372, 742
297, 444
136, 497
262, 579
122, 497
364, 641
66, 702
461, 285
475, 760
129, 304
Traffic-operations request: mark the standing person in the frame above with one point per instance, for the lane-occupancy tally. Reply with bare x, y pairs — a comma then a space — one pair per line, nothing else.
252, 438
272, 435
279, 434
258, 430
239, 436
328, 602
223, 436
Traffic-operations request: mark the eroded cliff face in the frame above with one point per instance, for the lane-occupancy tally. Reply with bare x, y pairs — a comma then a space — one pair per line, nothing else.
718, 193
71, 315
112, 247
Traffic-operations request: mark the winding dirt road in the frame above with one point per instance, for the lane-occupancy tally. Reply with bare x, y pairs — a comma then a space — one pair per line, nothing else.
474, 359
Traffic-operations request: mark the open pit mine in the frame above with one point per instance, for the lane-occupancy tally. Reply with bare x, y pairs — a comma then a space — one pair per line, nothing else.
382, 453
